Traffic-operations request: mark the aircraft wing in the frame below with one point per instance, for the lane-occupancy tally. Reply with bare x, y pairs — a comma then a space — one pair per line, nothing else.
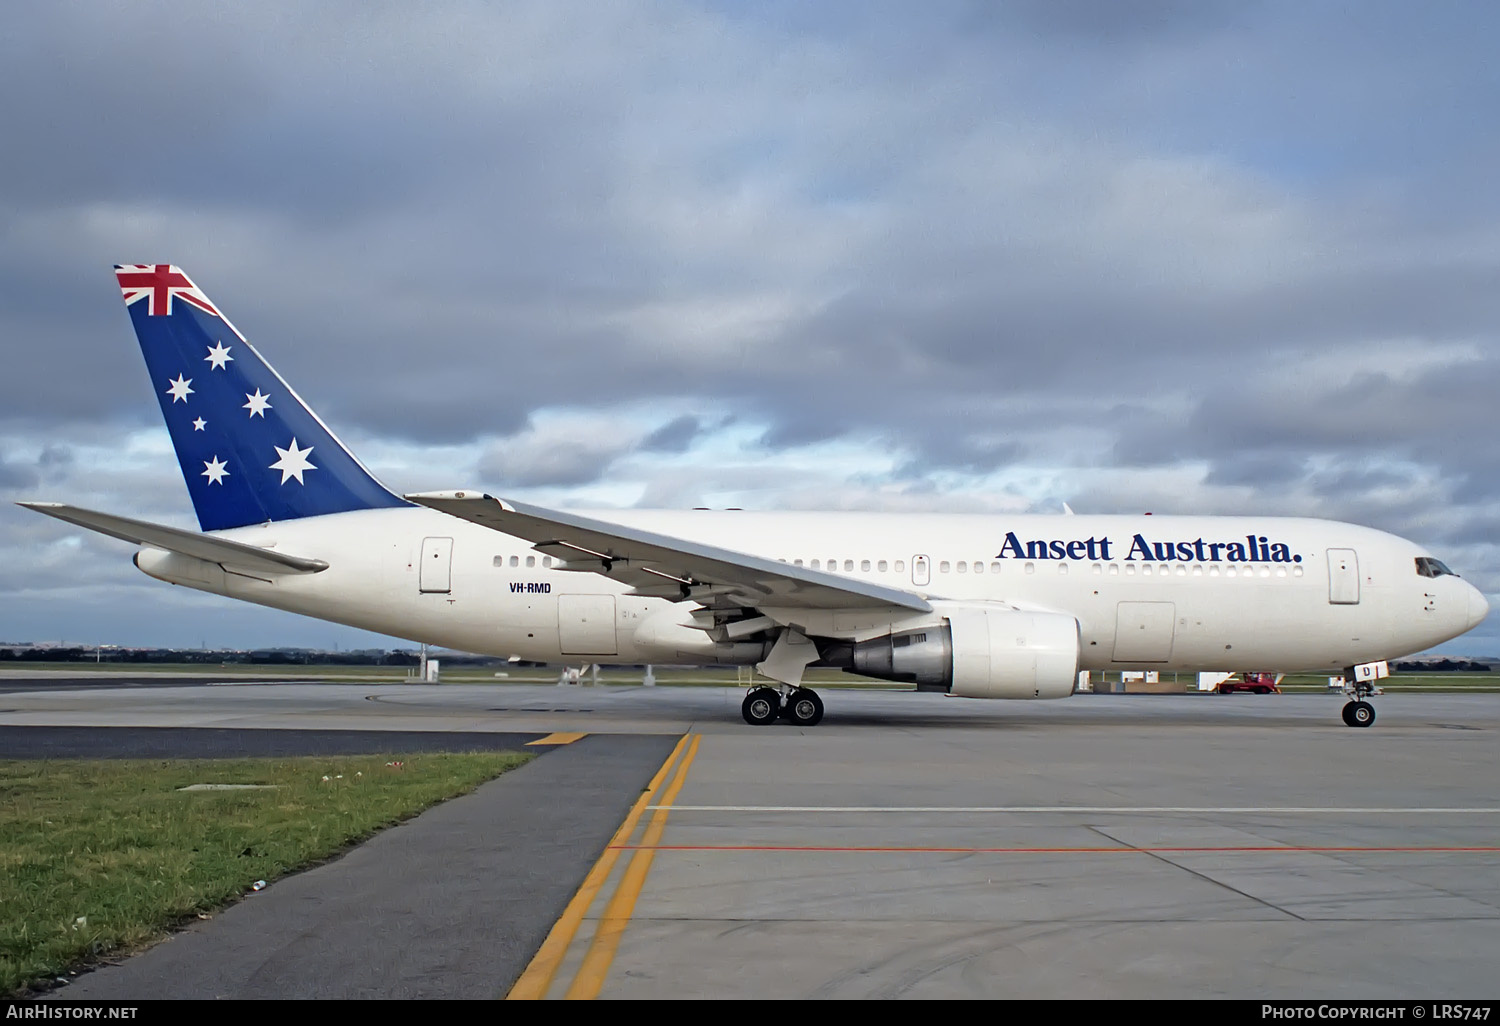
658, 564
230, 554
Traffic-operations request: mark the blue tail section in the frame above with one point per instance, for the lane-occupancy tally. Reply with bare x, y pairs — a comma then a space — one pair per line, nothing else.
250, 449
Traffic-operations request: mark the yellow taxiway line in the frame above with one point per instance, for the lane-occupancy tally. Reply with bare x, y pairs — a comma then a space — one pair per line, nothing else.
537, 979
557, 739
590, 977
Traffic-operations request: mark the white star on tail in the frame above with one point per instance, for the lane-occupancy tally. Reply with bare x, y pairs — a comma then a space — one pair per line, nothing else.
258, 404
293, 462
218, 356
214, 470
179, 390
200, 424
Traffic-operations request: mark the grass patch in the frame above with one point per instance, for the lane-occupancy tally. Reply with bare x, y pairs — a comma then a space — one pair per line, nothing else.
103, 857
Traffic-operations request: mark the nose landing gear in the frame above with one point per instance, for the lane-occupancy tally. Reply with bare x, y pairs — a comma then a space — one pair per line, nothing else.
1359, 714
1357, 711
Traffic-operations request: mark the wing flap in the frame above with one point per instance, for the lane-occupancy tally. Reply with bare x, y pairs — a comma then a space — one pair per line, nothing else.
223, 551
652, 562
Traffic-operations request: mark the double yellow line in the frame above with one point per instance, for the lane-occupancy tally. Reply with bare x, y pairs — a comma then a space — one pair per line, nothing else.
536, 981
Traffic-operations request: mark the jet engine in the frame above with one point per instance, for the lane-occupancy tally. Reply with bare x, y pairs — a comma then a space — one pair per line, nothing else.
973, 652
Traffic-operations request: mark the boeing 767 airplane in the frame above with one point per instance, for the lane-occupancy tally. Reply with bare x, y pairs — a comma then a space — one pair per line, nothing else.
978, 606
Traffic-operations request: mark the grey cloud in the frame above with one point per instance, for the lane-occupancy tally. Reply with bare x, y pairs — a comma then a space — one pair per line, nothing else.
920, 233
1111, 21
14, 477
674, 436
55, 456
1256, 469
562, 466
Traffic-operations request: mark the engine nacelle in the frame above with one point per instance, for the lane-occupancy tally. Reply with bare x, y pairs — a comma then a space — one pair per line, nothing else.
1013, 654
975, 653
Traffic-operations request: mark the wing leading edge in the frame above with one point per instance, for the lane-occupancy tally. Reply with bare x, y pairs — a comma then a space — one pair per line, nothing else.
657, 564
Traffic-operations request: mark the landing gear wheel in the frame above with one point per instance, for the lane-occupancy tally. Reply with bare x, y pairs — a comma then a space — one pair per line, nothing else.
761, 707
1359, 714
804, 708
1348, 719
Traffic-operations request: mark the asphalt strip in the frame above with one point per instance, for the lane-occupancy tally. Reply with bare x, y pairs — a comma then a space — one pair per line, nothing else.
452, 904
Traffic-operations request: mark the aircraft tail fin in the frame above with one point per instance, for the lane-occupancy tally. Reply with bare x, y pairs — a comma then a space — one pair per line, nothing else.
250, 449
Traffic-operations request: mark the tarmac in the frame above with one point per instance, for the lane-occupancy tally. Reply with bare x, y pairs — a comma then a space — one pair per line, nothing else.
911, 846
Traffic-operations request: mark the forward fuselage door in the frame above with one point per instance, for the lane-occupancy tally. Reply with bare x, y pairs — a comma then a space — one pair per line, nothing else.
1143, 631
1343, 577
586, 624
921, 571
435, 572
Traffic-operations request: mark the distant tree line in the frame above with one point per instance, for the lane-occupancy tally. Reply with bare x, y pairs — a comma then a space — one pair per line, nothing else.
1442, 665
256, 657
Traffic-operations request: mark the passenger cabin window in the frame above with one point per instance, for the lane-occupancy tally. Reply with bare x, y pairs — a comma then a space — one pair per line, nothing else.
963, 567
515, 560
816, 565
880, 566
531, 561
1429, 567
900, 566
943, 567
864, 565
499, 560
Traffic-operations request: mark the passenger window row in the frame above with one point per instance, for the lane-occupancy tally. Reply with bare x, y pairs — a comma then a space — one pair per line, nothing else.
1426, 566
547, 561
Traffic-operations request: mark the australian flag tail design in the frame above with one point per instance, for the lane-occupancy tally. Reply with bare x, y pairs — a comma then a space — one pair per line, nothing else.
250, 449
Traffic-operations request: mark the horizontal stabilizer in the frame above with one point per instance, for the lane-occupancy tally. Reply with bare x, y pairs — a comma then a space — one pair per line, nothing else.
229, 554
634, 556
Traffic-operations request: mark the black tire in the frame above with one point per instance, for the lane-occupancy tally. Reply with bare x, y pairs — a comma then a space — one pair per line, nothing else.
1361, 714
761, 706
804, 708
1347, 714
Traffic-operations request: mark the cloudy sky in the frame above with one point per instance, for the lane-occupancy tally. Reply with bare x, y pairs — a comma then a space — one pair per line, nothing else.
1164, 254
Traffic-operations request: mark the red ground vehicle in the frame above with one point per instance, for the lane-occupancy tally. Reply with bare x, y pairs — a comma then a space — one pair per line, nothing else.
1255, 683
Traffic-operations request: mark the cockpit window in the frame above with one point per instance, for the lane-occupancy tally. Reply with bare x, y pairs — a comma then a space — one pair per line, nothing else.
1429, 567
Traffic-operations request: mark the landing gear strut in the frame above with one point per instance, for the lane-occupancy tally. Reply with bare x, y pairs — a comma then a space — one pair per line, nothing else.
799, 706
792, 653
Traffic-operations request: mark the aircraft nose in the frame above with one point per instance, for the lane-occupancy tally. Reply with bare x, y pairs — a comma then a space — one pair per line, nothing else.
1479, 606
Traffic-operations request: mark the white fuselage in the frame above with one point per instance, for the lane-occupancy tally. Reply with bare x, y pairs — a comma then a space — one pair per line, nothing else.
1231, 592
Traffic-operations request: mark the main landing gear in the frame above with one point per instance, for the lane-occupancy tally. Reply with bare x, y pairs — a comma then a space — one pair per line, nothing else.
800, 706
